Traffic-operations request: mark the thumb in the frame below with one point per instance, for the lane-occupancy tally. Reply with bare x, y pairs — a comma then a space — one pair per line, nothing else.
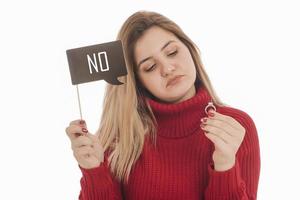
82, 123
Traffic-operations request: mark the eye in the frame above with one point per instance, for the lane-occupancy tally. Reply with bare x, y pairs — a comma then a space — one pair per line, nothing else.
173, 53
150, 69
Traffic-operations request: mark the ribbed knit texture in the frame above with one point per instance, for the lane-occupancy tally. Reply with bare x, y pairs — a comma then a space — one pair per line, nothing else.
181, 166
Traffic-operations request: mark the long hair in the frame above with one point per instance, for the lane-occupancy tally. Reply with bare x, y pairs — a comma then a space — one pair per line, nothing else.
127, 119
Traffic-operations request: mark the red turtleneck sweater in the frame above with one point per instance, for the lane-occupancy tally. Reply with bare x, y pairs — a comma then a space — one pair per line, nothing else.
181, 165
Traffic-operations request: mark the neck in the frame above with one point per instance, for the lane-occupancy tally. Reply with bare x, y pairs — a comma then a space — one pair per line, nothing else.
180, 119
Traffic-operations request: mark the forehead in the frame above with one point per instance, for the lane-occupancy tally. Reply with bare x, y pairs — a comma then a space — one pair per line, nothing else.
151, 42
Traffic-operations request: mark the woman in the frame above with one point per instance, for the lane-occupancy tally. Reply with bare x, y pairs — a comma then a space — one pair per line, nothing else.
155, 139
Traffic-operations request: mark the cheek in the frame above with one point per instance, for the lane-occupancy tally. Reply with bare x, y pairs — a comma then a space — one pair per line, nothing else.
189, 64
156, 87
150, 80
153, 81
185, 59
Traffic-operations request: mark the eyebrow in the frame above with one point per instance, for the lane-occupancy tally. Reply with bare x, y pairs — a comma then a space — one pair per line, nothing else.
144, 60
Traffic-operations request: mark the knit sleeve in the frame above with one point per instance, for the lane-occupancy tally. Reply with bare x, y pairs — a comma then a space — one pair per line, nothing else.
98, 183
241, 181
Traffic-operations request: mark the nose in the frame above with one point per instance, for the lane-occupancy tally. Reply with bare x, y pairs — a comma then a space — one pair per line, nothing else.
166, 68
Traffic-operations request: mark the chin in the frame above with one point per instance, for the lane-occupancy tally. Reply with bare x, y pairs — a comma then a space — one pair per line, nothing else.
176, 95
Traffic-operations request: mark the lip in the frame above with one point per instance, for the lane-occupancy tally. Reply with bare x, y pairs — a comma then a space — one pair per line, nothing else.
174, 80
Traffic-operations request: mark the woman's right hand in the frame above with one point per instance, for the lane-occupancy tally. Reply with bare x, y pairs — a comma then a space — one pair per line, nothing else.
86, 147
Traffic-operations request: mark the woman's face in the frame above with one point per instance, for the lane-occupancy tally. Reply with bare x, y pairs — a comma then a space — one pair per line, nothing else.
161, 56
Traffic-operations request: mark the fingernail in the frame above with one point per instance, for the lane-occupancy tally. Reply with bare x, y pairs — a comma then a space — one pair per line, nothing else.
204, 119
84, 130
81, 122
210, 113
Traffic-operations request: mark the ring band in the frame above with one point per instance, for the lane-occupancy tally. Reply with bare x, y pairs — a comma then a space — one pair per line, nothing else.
210, 104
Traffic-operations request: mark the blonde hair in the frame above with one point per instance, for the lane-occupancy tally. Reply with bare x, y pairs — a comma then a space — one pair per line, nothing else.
126, 117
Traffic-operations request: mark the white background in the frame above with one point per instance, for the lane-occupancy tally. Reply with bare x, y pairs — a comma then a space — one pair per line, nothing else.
250, 50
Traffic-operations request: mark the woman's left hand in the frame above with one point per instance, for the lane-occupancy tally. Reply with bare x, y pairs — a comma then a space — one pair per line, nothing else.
226, 134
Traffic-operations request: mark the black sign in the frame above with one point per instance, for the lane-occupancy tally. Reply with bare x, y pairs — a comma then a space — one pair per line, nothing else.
97, 62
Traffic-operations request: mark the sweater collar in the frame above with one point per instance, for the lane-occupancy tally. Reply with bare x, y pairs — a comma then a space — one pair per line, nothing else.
183, 118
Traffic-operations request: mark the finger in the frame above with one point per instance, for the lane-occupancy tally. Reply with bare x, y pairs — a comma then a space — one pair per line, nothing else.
225, 118
78, 122
73, 131
227, 126
219, 133
81, 141
221, 125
